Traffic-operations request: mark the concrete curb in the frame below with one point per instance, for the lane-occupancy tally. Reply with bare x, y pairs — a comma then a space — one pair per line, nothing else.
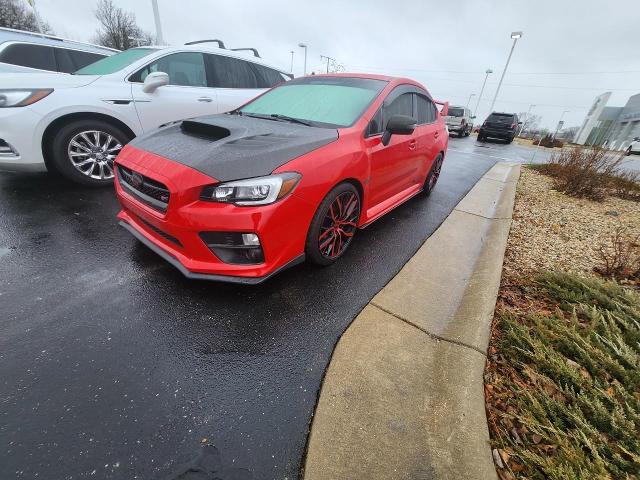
403, 395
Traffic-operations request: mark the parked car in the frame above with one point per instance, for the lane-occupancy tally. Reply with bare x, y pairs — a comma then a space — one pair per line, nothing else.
22, 51
76, 124
290, 175
634, 147
499, 125
459, 120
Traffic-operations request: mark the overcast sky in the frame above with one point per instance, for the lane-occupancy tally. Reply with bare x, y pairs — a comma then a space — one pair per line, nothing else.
445, 45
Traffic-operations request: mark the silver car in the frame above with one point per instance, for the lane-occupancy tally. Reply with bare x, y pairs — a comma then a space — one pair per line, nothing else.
459, 120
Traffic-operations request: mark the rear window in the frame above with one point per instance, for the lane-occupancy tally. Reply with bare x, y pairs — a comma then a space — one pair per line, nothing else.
456, 112
501, 117
27, 55
228, 72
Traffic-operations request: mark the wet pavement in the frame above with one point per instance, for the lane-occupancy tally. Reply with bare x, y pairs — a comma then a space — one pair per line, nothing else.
113, 365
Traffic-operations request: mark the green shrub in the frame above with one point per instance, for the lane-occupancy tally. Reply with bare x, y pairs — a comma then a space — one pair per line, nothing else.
572, 378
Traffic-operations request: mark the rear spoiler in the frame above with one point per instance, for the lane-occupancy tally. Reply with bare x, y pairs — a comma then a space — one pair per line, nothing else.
443, 107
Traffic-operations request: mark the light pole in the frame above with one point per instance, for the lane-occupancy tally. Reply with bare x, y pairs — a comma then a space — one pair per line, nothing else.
303, 45
482, 89
156, 18
469, 101
515, 36
559, 124
526, 119
292, 52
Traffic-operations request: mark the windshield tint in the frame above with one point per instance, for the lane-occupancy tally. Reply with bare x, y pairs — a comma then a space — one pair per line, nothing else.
456, 112
115, 62
322, 101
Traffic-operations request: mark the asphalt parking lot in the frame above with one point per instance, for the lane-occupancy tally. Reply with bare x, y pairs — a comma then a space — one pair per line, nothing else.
114, 365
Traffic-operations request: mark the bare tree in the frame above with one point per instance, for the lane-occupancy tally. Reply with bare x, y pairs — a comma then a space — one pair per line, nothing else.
119, 28
529, 121
15, 14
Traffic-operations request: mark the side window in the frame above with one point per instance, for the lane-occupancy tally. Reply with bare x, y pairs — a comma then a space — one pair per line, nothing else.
403, 105
185, 69
26, 55
426, 110
268, 77
64, 60
228, 72
375, 125
82, 59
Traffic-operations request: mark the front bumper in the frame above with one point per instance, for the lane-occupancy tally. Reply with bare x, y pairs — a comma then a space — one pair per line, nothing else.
175, 234
20, 141
455, 128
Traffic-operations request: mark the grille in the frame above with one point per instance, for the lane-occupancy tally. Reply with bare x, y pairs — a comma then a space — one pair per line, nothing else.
6, 150
147, 190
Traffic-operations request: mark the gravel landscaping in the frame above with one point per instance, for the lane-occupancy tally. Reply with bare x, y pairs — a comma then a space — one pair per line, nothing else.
552, 231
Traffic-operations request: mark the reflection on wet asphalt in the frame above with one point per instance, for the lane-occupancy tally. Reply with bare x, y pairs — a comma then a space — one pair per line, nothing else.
114, 365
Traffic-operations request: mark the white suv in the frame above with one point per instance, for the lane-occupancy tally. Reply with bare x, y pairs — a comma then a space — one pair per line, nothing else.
76, 124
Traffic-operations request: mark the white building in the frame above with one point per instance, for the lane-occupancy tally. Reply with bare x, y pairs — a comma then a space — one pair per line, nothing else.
614, 127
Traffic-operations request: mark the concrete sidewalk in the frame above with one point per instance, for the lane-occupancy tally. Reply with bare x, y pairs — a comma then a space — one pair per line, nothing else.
403, 394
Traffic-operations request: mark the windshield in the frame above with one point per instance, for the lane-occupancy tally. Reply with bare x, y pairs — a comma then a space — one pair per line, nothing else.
455, 112
322, 101
115, 62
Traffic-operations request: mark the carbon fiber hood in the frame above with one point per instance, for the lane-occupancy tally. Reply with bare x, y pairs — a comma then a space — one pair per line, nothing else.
231, 147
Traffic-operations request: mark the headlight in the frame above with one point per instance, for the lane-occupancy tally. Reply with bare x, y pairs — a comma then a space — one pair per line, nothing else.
22, 97
253, 191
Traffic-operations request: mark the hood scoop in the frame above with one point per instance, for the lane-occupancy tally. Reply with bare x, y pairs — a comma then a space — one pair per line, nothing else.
207, 131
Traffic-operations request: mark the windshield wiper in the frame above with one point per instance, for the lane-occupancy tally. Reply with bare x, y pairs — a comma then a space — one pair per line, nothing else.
290, 119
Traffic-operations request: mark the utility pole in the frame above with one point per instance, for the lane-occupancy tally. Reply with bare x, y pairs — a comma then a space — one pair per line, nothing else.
515, 36
291, 69
482, 89
328, 60
156, 17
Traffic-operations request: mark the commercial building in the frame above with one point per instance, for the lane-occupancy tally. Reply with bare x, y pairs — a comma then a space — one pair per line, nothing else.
613, 127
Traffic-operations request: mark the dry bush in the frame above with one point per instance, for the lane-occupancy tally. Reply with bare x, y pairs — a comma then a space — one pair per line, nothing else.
584, 172
549, 142
620, 256
626, 185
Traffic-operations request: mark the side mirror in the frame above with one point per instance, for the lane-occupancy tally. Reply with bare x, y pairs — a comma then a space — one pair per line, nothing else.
519, 123
155, 80
398, 125
472, 117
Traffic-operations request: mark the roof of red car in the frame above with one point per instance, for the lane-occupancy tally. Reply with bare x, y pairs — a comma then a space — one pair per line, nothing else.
371, 76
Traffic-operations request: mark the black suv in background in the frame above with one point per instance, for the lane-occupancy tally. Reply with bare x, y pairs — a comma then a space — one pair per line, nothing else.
499, 125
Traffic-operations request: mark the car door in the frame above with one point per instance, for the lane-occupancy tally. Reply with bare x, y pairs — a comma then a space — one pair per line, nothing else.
187, 95
428, 132
236, 81
392, 167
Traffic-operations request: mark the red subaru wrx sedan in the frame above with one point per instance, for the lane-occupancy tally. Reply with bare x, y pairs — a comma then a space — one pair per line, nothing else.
289, 176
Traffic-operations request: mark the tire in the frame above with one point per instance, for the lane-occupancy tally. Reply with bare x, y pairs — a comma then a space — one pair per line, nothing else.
432, 178
461, 133
326, 240
93, 145
628, 152
481, 138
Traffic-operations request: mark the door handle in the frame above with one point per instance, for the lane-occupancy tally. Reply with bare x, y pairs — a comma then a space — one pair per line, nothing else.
436, 134
412, 144
205, 99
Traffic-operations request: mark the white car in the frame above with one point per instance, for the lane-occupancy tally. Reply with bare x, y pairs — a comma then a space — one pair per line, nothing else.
634, 147
30, 52
76, 124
